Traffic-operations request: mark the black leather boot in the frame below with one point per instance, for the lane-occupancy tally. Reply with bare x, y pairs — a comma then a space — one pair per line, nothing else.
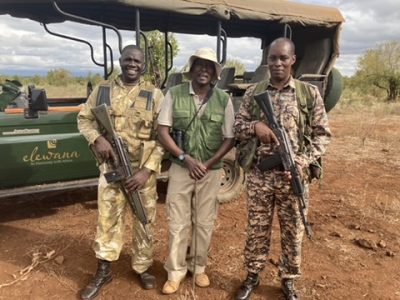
102, 276
251, 282
288, 289
148, 281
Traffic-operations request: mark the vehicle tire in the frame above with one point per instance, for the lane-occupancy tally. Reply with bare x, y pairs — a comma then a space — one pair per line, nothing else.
233, 179
333, 89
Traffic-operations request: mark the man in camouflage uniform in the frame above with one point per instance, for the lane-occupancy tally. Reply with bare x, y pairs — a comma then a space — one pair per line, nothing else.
272, 189
134, 106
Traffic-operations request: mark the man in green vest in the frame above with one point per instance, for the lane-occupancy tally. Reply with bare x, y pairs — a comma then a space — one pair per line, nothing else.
200, 118
271, 189
133, 104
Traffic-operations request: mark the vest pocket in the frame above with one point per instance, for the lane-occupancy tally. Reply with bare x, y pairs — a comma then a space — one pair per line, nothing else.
213, 144
140, 122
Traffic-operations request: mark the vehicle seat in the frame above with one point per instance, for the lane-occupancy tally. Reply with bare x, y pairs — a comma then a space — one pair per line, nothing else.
314, 58
261, 73
172, 80
227, 77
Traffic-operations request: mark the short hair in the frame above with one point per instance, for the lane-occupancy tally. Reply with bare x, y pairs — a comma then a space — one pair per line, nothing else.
132, 47
286, 41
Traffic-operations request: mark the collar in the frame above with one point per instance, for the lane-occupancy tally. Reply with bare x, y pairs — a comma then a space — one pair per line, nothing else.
118, 81
289, 84
191, 90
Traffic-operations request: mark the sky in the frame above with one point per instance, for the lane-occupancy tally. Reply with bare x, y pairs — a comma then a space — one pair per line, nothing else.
26, 49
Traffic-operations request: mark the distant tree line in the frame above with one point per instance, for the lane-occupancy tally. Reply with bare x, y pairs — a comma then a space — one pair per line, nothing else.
57, 77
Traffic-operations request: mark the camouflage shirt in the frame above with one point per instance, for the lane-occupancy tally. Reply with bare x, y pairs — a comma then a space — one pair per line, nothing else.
287, 114
132, 121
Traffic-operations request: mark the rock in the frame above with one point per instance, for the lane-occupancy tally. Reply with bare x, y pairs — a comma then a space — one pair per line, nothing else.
363, 243
59, 259
355, 226
336, 234
390, 253
382, 244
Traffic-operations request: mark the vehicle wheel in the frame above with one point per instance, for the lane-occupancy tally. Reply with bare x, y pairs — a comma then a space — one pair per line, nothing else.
233, 179
333, 90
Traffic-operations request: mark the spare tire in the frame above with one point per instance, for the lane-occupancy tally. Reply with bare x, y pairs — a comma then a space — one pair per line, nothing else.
233, 179
333, 89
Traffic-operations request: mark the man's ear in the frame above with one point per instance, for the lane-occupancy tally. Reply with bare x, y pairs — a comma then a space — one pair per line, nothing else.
294, 58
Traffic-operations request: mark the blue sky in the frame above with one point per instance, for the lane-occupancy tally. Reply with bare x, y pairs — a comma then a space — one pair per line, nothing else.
25, 47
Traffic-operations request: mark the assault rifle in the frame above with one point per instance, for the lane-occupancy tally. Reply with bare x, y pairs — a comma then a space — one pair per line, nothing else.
122, 167
284, 156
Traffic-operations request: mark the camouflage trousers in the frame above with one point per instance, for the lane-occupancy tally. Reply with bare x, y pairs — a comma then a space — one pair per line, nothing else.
112, 205
267, 191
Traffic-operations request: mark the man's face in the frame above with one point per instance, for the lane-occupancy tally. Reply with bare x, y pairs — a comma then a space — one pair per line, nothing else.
280, 61
202, 71
132, 64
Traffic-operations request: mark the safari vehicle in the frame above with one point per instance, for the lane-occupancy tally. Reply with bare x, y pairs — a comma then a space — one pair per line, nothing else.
41, 148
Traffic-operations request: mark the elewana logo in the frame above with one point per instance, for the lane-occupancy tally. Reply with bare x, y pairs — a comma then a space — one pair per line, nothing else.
50, 155
52, 144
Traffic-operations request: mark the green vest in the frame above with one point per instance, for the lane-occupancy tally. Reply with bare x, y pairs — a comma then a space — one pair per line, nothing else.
204, 135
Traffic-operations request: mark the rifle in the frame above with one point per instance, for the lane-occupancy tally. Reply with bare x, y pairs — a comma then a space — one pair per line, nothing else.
123, 168
284, 156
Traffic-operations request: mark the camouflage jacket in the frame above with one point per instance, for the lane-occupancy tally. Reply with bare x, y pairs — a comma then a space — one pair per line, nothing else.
133, 121
287, 114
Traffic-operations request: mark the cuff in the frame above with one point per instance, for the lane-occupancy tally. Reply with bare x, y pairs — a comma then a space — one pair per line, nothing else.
92, 137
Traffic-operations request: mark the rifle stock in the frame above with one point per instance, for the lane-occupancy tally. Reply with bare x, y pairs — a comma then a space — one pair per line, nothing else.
122, 167
286, 155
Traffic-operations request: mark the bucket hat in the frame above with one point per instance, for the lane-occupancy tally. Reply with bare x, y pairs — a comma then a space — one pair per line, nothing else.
207, 54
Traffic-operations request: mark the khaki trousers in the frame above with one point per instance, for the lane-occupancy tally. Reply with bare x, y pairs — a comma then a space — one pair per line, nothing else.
190, 204
110, 226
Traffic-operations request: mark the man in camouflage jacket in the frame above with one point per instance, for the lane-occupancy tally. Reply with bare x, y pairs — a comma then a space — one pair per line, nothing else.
272, 189
134, 106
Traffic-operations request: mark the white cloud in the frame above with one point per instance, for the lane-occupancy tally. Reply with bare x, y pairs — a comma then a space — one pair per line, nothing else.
367, 24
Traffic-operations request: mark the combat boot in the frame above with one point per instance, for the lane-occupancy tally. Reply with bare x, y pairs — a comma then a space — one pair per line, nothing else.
251, 282
288, 289
148, 281
102, 276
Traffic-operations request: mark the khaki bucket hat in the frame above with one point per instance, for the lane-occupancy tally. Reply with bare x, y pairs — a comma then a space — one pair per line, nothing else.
207, 54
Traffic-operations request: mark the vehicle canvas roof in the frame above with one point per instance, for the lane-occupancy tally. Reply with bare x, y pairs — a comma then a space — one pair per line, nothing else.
245, 17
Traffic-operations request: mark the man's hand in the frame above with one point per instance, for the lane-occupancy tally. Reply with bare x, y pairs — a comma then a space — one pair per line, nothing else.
197, 170
137, 181
288, 176
265, 134
104, 149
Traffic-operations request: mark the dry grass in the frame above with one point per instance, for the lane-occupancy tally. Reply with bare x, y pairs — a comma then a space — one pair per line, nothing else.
368, 141
68, 91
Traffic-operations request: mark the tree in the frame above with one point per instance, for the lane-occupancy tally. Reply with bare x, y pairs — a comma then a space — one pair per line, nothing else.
237, 64
156, 63
381, 68
59, 77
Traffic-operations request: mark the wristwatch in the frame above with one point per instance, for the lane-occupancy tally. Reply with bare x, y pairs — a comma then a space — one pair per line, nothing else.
181, 156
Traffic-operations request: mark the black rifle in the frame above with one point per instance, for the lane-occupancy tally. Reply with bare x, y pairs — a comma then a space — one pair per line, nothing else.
284, 157
123, 168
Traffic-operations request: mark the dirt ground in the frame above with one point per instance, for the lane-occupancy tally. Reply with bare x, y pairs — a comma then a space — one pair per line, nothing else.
45, 249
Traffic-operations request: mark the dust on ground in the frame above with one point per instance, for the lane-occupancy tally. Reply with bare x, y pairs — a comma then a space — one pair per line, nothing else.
45, 249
